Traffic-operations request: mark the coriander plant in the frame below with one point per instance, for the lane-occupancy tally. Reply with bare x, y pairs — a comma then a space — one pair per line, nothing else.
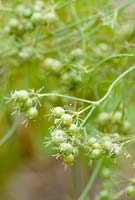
68, 67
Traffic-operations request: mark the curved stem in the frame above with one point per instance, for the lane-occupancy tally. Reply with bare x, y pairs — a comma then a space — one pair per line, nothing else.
11, 131
91, 180
114, 84
107, 94
114, 56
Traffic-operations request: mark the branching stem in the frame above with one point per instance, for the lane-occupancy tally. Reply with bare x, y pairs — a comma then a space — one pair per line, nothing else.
96, 103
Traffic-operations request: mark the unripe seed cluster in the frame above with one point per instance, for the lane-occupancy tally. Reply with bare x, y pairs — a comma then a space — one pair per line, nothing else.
113, 122
28, 17
21, 24
52, 65
74, 74
102, 146
26, 102
65, 134
70, 71
42, 14
67, 138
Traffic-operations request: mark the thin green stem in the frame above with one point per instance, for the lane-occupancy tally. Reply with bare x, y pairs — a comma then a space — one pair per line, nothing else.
76, 17
65, 96
125, 5
87, 108
71, 25
107, 94
11, 130
66, 3
76, 40
114, 84
91, 180
114, 56
87, 117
